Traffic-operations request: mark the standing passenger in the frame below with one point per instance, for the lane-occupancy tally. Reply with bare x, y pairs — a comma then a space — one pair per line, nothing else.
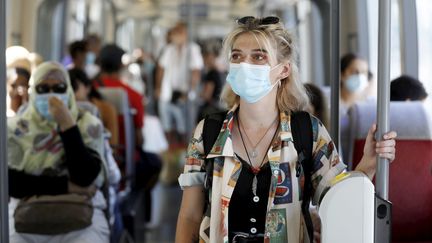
179, 59
255, 192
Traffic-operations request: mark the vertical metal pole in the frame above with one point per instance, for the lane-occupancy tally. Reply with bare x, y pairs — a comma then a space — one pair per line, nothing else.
382, 205
4, 192
334, 70
383, 92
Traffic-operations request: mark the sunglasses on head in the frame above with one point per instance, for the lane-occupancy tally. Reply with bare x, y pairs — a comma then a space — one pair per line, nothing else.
261, 21
59, 88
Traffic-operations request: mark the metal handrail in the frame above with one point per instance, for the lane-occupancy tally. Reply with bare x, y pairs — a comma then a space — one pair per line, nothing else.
4, 192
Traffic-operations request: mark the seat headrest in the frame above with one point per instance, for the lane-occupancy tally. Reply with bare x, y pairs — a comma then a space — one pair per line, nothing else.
411, 120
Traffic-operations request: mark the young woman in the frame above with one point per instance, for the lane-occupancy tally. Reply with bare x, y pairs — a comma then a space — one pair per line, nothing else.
255, 193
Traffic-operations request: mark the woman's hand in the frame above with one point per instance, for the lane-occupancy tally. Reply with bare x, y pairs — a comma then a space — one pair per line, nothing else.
61, 114
385, 149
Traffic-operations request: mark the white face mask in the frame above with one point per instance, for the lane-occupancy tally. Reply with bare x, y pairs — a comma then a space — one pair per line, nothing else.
356, 83
250, 82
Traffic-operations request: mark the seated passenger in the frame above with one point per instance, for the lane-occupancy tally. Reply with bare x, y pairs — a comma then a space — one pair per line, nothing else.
406, 88
85, 92
111, 64
355, 81
55, 150
318, 103
18, 74
78, 53
356, 85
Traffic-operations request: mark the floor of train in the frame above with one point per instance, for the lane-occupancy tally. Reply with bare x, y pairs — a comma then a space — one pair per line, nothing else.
165, 206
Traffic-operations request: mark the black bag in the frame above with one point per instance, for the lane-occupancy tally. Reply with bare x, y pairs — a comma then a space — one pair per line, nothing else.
147, 170
176, 96
303, 142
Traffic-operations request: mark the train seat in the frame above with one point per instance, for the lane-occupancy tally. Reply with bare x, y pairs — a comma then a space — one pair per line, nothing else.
410, 182
119, 99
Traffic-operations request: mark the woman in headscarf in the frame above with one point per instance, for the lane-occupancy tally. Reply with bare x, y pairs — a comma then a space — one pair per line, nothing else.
53, 149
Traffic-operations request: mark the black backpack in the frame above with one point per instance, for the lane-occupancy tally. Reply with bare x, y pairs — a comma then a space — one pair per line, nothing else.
303, 141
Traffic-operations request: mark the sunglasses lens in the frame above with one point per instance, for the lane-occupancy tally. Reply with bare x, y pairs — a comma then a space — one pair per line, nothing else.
270, 20
56, 88
59, 88
42, 88
244, 20
264, 21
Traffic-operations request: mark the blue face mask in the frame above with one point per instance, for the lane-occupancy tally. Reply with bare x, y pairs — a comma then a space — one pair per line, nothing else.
90, 58
250, 82
356, 83
42, 103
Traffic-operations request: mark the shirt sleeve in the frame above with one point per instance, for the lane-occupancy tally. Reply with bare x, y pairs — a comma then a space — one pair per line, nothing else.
164, 58
326, 161
196, 60
23, 185
192, 174
83, 163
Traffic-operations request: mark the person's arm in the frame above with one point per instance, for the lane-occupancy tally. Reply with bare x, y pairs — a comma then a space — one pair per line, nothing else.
158, 81
23, 185
83, 164
195, 78
192, 183
385, 148
190, 215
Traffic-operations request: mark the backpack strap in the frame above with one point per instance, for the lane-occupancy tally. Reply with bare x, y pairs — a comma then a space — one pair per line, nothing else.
212, 125
301, 128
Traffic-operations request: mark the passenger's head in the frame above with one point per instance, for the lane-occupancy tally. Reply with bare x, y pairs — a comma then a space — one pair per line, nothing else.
94, 43
110, 58
18, 69
35, 60
354, 73
78, 52
178, 34
318, 102
265, 42
210, 51
81, 84
50, 79
406, 88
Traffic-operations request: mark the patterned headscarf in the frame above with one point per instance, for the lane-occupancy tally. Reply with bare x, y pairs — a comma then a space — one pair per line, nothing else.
34, 145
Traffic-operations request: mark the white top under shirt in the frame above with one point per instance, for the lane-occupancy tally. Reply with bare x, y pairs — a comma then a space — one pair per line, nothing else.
175, 65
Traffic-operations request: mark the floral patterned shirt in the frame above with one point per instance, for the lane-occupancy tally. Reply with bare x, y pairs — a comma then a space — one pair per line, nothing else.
284, 220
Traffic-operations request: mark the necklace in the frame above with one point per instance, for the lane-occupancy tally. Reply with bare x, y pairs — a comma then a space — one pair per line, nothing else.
255, 170
254, 152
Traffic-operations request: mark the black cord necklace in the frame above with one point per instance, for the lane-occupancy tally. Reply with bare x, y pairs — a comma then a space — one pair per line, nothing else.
255, 170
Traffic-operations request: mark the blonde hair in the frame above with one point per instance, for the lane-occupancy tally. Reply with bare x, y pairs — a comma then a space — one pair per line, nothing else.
291, 94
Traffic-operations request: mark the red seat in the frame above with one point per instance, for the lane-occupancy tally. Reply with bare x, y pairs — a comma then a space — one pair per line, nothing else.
410, 182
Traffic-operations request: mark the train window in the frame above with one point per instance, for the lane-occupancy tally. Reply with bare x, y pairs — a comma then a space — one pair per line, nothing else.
424, 18
395, 66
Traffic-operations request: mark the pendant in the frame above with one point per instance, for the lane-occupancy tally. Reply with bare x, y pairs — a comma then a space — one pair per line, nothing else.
254, 153
254, 185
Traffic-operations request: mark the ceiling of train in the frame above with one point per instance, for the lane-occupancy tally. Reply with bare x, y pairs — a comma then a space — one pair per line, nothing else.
206, 10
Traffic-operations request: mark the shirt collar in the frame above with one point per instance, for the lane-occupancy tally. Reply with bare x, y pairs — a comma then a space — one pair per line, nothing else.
223, 145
